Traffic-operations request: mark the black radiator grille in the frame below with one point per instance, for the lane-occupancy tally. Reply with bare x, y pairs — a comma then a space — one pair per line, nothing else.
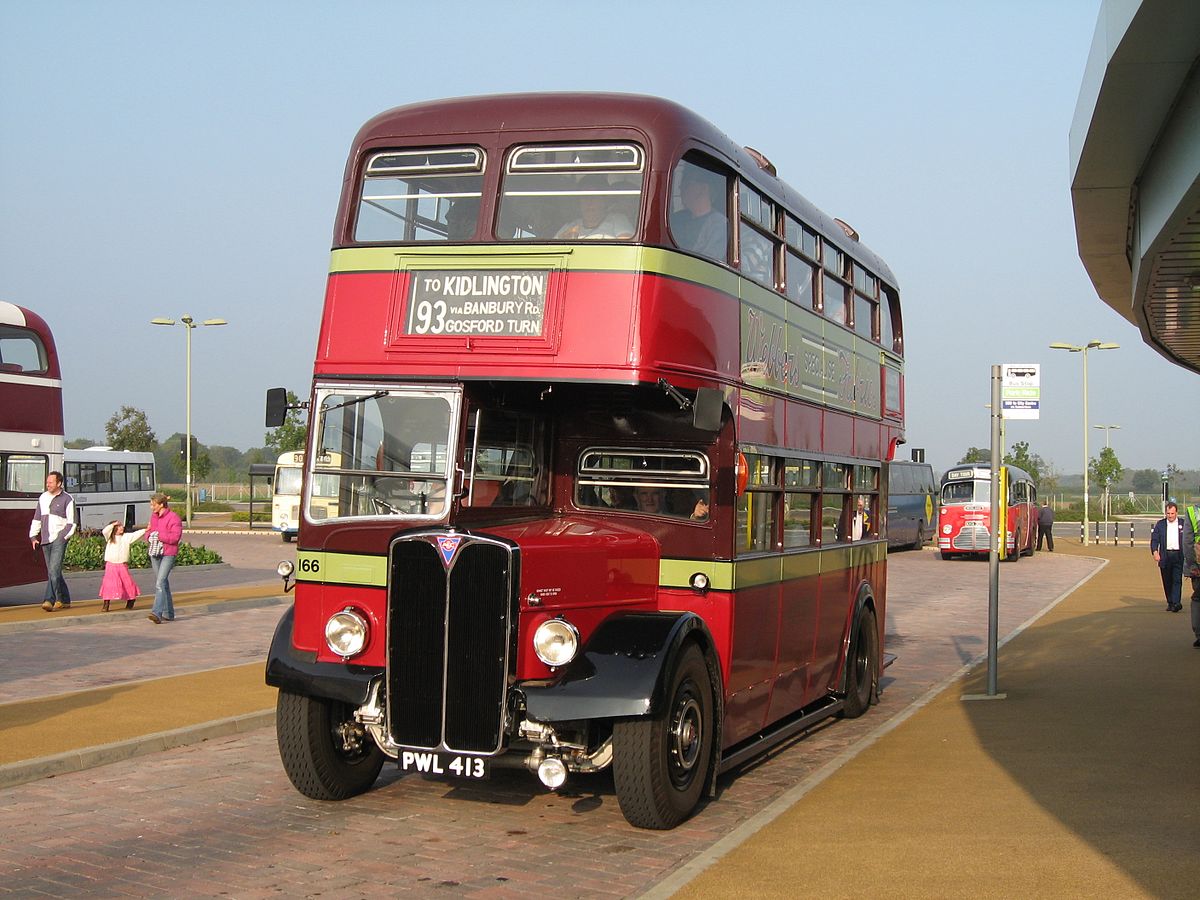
459, 705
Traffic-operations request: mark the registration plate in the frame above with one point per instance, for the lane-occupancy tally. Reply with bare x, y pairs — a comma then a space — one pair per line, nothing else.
449, 765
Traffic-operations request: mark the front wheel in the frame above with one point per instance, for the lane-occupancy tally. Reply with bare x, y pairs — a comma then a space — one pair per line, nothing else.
862, 666
326, 754
660, 762
920, 541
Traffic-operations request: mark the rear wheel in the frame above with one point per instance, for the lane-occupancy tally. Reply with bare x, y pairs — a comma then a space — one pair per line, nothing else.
660, 763
920, 542
326, 754
1017, 551
862, 666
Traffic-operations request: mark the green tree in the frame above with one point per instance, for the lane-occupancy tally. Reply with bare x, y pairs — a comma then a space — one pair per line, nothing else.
1020, 457
1105, 469
976, 455
79, 443
1146, 481
292, 434
128, 429
201, 465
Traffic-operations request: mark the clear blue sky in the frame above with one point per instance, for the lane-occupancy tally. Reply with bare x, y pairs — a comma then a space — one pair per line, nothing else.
159, 159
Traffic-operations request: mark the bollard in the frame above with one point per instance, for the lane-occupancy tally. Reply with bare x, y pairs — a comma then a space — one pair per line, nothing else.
1082, 533
1130, 534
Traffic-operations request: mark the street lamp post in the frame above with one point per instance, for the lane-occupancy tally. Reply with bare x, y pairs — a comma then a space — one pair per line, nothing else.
188, 323
1075, 348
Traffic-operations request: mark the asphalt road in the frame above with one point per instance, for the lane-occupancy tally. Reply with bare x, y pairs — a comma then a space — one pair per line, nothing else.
220, 817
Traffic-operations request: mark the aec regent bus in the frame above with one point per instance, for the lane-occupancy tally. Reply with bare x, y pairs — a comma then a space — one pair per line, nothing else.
965, 512
31, 435
606, 403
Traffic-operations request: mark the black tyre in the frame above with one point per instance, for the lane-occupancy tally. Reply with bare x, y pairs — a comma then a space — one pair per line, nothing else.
947, 555
326, 754
920, 541
660, 763
1017, 552
287, 538
862, 666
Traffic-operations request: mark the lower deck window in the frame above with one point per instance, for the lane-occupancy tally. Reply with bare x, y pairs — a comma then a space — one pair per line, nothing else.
666, 483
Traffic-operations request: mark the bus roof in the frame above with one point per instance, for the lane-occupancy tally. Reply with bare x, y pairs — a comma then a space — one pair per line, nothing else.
672, 129
970, 470
20, 317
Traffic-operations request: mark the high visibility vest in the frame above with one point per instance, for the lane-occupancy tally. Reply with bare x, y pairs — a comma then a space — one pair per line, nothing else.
1194, 514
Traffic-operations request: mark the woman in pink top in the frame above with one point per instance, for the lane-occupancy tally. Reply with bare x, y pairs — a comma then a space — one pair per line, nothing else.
168, 529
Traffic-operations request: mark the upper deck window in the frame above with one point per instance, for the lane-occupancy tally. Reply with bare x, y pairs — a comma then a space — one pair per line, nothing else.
411, 196
21, 351
699, 221
571, 193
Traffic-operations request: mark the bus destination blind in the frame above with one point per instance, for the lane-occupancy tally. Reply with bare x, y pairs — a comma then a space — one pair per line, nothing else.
495, 303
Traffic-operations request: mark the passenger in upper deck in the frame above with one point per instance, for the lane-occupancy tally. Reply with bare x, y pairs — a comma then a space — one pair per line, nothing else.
699, 227
596, 221
462, 218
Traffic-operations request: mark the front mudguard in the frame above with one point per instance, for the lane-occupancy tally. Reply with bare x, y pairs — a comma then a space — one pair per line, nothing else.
299, 672
623, 670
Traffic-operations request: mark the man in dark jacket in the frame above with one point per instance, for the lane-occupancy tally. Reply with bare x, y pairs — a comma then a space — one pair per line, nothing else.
1046, 525
1166, 544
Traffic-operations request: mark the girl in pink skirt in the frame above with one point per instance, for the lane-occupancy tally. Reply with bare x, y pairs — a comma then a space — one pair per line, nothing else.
118, 584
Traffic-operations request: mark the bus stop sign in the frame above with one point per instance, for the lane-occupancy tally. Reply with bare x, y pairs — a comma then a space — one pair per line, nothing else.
1020, 390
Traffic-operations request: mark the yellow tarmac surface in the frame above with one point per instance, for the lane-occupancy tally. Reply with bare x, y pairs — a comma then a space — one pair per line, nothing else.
107, 715
65, 731
1084, 782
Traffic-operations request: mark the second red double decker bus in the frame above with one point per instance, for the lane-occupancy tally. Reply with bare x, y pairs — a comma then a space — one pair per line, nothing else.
605, 405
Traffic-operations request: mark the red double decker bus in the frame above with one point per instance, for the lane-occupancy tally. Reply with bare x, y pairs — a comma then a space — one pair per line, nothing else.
31, 435
605, 405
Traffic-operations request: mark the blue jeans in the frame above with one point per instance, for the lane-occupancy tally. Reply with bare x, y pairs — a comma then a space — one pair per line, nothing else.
56, 585
164, 604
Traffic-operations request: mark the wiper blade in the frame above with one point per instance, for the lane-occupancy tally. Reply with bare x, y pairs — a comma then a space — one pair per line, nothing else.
374, 396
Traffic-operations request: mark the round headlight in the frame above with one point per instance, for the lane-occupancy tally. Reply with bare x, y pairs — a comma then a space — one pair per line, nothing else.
346, 633
285, 568
555, 642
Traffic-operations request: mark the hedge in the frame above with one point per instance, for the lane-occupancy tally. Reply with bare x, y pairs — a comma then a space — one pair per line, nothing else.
85, 550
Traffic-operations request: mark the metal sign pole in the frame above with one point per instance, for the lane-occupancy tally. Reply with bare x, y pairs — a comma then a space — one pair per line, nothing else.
999, 528
999, 531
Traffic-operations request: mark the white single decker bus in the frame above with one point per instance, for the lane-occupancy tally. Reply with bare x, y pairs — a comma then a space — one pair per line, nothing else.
285, 497
109, 485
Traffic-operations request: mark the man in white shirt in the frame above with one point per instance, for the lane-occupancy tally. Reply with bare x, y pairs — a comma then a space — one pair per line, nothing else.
52, 526
1166, 544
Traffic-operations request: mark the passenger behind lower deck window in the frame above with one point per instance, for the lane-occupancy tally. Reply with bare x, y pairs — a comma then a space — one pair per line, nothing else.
675, 502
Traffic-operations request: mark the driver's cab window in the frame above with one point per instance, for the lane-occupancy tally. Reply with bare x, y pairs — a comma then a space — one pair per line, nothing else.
383, 453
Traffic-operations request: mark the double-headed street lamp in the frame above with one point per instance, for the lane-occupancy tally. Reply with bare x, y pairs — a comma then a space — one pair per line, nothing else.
188, 323
1075, 348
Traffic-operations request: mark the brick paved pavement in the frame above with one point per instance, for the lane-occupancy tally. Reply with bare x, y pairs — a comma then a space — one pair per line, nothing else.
221, 818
